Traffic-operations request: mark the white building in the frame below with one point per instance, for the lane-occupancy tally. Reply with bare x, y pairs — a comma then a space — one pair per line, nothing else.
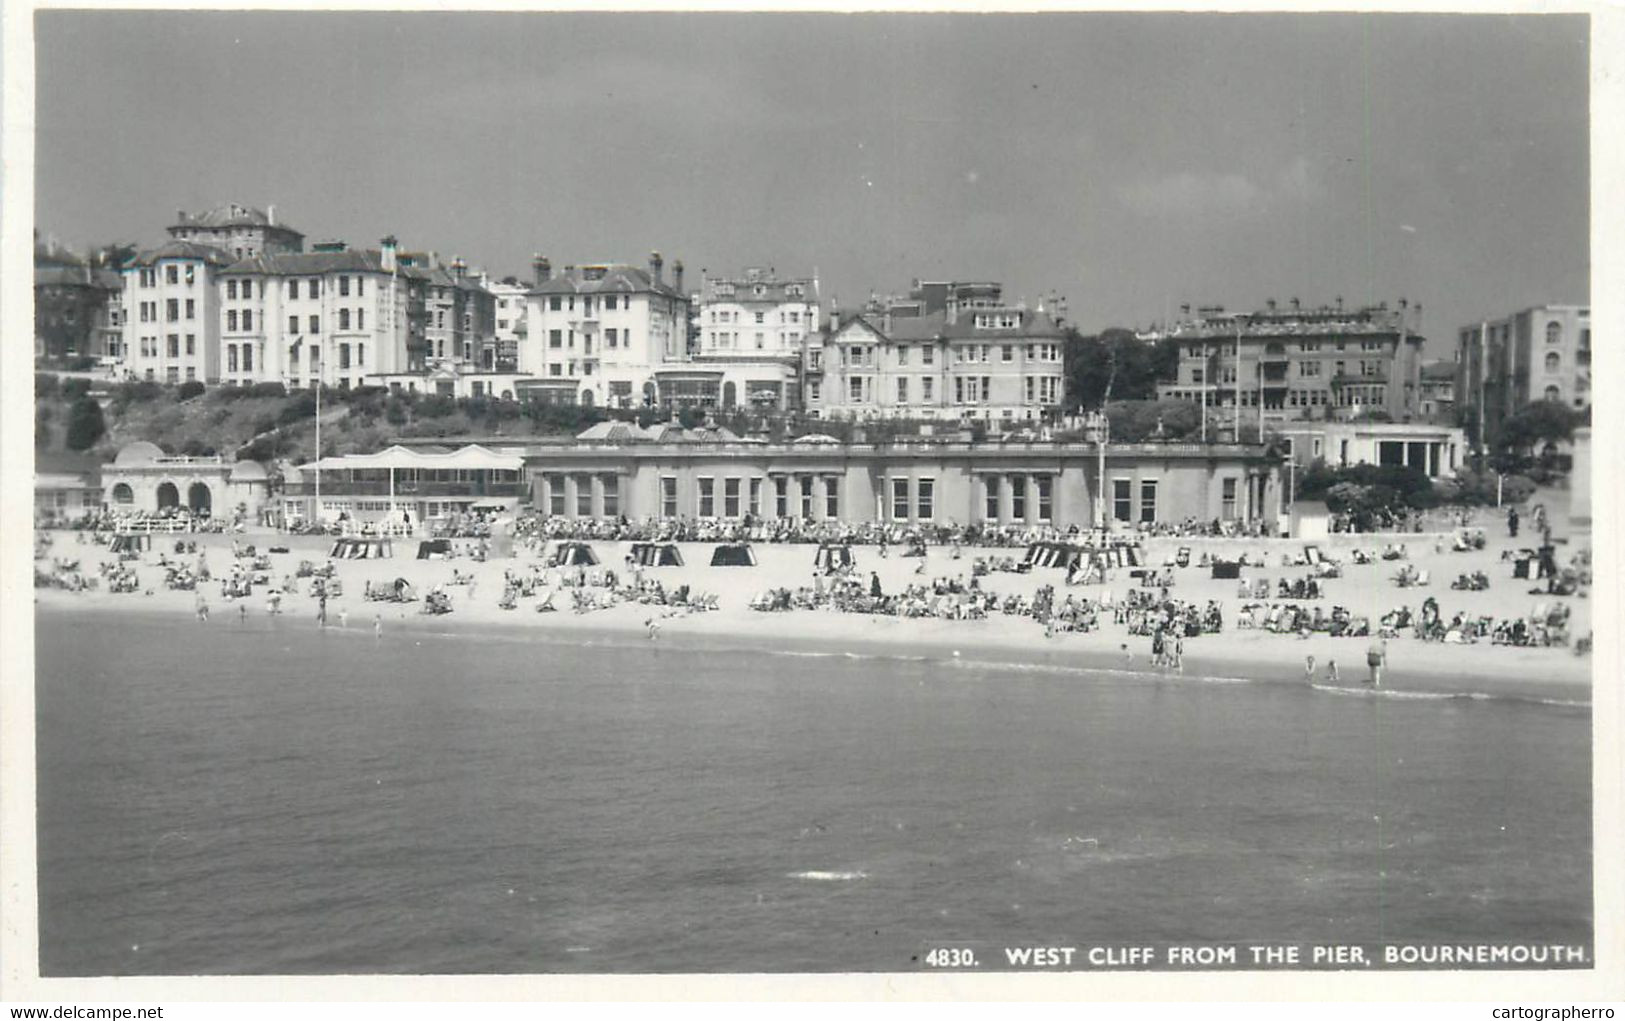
171, 320
598, 334
509, 297
753, 330
1436, 449
338, 314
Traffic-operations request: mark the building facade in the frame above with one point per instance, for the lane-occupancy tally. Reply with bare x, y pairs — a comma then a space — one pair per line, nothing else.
606, 334
509, 297
1279, 364
78, 307
752, 331
171, 313
974, 357
142, 478
1539, 353
1439, 450
240, 231
333, 314
1438, 383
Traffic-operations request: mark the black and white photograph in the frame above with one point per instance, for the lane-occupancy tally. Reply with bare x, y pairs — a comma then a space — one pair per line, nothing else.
942, 495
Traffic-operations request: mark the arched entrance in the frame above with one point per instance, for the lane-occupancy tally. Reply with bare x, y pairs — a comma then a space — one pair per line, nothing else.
649, 395
730, 394
200, 499
168, 495
123, 495
586, 398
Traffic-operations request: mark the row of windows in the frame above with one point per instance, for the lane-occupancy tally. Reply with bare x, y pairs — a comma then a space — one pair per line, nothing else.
869, 354
150, 348
996, 487
607, 302
147, 311
173, 274
732, 316
240, 358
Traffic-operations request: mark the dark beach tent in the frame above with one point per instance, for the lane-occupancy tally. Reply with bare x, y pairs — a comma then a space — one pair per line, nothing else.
361, 549
575, 554
430, 549
831, 557
1052, 554
1230, 569
1312, 553
736, 554
132, 542
656, 554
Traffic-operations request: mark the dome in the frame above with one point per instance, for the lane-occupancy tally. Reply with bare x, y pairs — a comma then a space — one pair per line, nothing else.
249, 471
139, 452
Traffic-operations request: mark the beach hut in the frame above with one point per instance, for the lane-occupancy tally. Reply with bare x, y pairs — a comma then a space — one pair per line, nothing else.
1310, 519
1052, 554
131, 542
833, 558
733, 554
574, 554
361, 549
434, 549
656, 554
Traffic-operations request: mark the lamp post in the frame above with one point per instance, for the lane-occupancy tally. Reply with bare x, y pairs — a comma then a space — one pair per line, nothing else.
1102, 427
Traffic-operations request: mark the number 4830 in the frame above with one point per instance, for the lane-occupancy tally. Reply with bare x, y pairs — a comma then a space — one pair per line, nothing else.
951, 957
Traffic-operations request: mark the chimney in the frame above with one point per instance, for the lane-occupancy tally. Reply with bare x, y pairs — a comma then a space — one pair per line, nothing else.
459, 268
386, 253
1294, 304
951, 313
270, 214
540, 269
655, 262
834, 319
677, 276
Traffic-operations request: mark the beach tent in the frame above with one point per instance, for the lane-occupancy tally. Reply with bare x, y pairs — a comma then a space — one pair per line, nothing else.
736, 554
832, 557
1053, 554
131, 542
361, 549
432, 549
1227, 569
574, 554
656, 554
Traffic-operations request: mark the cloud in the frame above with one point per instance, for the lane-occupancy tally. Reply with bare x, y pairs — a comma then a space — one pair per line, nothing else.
1187, 194
1193, 193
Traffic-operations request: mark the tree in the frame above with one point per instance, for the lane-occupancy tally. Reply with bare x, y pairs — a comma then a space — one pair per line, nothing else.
1116, 361
1538, 423
85, 424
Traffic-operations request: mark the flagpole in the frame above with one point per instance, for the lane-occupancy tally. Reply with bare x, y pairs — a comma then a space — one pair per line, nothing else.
318, 510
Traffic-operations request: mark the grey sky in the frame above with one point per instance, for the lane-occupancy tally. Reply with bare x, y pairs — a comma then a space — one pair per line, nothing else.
1130, 162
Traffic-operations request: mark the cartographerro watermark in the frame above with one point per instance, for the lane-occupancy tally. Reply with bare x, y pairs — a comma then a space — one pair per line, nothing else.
1242, 956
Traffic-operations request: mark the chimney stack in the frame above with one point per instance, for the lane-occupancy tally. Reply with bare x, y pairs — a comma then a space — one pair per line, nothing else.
677, 276
386, 253
270, 214
459, 268
655, 263
540, 269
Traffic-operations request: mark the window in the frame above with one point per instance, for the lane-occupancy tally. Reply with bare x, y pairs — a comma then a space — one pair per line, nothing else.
231, 320
191, 309
1308, 369
992, 484
174, 345
344, 287
172, 309
1032, 383
923, 498
553, 303
231, 288
360, 318
1554, 333
755, 505
191, 343
1018, 497
344, 357
928, 355
173, 374
668, 493
583, 496
758, 317
1007, 352
315, 287
293, 324
1554, 393
1229, 494
902, 355
816, 393
708, 499
730, 497
360, 355
609, 302
1148, 501
248, 357
172, 273
1046, 497
805, 483
344, 318
1122, 500
781, 496
555, 338
902, 389
758, 341
231, 357
899, 499
555, 495
832, 496
857, 389
925, 387
1554, 361
611, 337
315, 324
612, 495
248, 319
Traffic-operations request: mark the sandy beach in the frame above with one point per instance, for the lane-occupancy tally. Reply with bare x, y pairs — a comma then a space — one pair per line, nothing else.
1554, 673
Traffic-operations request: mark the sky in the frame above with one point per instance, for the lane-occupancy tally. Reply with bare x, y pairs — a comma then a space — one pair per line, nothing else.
1130, 162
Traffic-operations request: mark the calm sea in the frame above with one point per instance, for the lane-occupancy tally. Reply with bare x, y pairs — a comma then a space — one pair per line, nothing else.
230, 799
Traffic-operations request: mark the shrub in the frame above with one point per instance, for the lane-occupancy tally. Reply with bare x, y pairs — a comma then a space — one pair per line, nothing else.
75, 387
189, 389
272, 389
264, 424
46, 384
85, 424
228, 392
137, 392
194, 447
1517, 488
395, 411
261, 449
83, 363
298, 409
436, 406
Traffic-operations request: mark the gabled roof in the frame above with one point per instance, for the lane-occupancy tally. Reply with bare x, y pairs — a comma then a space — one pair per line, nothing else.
309, 263
182, 250
231, 214
77, 276
617, 279
935, 326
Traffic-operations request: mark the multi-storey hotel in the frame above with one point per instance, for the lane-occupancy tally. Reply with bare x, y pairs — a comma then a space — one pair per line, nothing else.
948, 351
1540, 353
171, 314
238, 230
509, 296
1280, 364
78, 311
600, 334
752, 331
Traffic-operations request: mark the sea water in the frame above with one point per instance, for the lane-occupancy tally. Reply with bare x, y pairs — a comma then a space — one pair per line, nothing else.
267, 798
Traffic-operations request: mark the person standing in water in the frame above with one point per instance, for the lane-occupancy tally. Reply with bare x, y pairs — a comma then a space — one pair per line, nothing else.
1376, 657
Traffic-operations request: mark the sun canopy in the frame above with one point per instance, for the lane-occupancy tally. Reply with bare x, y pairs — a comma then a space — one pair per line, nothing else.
733, 555
831, 557
434, 548
470, 458
361, 549
574, 554
656, 554
132, 542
